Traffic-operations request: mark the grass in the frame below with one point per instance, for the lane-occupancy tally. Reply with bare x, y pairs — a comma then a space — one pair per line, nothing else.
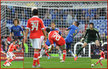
104, 62
15, 64
55, 63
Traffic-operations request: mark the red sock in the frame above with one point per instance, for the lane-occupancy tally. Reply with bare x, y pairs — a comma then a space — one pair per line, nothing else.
6, 62
46, 53
11, 59
101, 63
36, 58
64, 54
98, 62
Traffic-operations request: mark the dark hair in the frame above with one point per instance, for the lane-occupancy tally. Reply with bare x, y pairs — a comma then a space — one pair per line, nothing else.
77, 23
48, 30
91, 24
52, 22
35, 11
17, 21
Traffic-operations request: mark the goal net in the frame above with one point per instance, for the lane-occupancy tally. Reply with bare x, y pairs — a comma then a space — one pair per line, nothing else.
63, 14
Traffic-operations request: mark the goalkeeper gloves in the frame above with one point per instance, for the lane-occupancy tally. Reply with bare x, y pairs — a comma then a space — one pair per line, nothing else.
101, 42
82, 39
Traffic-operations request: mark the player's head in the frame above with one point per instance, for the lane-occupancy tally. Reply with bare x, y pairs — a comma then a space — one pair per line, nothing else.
47, 30
13, 41
76, 23
16, 22
91, 25
35, 11
53, 25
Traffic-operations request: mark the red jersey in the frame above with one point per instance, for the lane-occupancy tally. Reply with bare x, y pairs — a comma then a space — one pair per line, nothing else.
102, 54
12, 47
53, 36
35, 25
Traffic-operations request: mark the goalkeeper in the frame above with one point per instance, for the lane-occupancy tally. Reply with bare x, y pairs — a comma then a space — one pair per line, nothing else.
91, 35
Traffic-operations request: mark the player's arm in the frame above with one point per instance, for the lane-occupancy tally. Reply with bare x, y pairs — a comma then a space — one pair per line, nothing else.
11, 32
69, 28
22, 31
99, 36
43, 29
84, 35
27, 31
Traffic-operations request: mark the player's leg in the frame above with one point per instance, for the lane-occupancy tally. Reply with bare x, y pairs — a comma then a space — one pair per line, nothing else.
6, 61
8, 58
97, 43
59, 51
100, 61
63, 47
37, 46
12, 57
68, 47
81, 48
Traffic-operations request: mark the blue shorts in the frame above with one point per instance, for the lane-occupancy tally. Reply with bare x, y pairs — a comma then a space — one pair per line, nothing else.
68, 46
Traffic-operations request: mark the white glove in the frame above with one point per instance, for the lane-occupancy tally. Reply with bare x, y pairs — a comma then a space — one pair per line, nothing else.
101, 41
82, 39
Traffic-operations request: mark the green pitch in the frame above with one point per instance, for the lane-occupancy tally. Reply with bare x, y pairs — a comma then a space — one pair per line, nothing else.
104, 62
55, 63
15, 64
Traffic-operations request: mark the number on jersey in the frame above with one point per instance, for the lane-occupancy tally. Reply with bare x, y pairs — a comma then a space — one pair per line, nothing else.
56, 36
34, 25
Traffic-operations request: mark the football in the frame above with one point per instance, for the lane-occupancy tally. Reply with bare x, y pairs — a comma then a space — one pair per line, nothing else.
7, 64
92, 65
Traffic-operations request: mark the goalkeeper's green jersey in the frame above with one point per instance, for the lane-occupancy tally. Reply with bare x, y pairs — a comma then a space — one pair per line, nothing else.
92, 34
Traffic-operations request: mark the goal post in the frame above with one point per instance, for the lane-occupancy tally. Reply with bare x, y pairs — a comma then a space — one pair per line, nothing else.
63, 14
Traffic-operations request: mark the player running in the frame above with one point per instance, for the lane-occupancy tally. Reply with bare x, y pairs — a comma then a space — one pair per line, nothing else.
36, 27
73, 30
53, 36
101, 58
47, 43
91, 35
10, 55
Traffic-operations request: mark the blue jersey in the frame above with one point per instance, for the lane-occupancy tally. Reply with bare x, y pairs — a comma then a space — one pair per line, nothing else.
73, 30
56, 29
16, 30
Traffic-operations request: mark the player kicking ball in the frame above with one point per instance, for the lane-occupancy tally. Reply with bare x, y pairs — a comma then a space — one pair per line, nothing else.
10, 55
101, 58
73, 30
91, 35
53, 36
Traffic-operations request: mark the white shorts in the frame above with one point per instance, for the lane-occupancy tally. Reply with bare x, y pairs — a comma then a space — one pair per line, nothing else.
36, 43
42, 40
10, 55
101, 58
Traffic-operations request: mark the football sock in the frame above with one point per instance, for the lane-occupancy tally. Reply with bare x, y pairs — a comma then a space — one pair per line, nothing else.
81, 48
64, 54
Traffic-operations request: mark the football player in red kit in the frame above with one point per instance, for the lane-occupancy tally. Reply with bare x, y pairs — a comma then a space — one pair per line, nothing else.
10, 55
53, 36
101, 58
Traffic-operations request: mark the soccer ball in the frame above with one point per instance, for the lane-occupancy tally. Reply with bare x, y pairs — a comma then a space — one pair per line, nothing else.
7, 64
92, 65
